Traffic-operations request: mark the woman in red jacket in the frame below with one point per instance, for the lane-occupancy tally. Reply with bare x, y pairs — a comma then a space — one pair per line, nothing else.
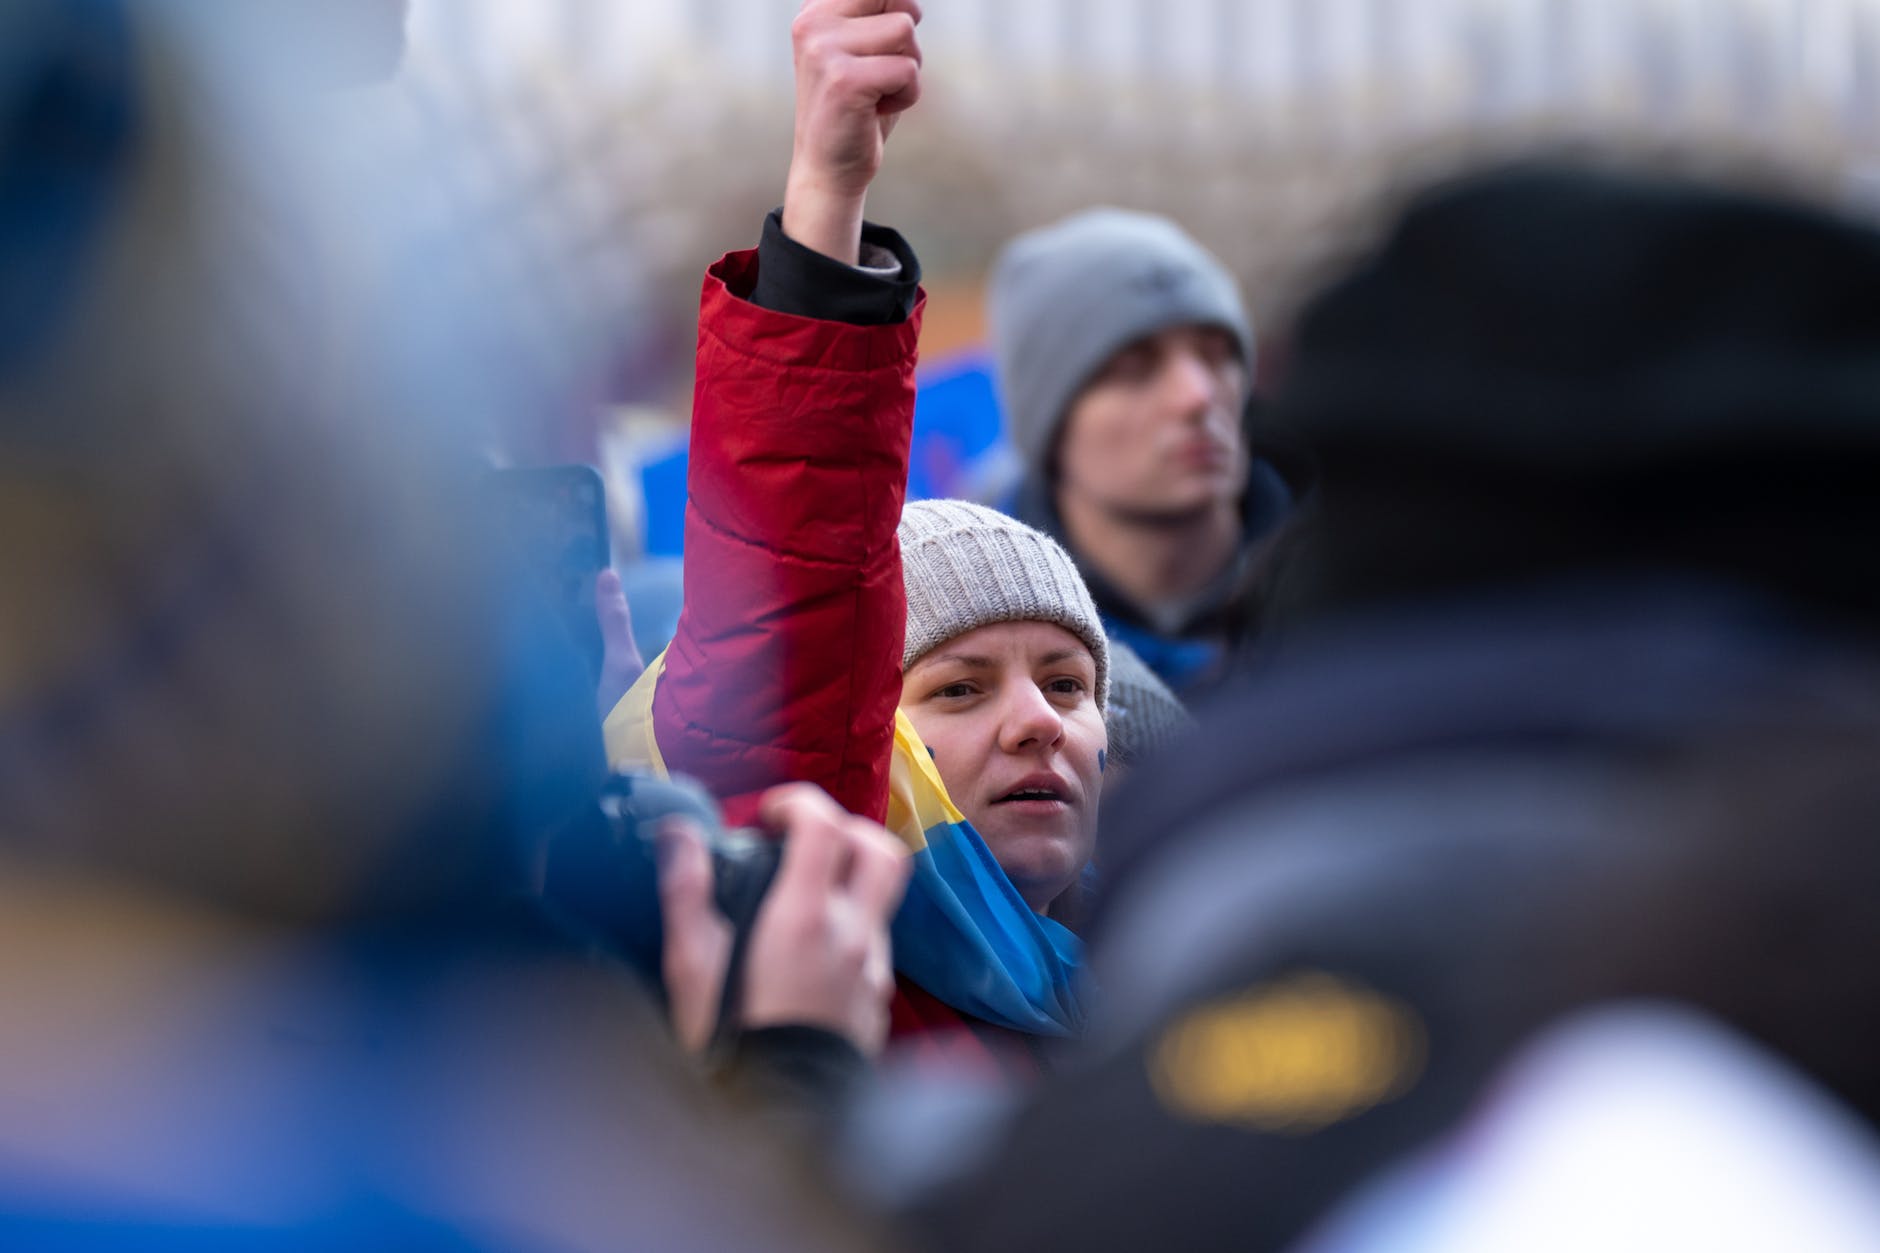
959, 700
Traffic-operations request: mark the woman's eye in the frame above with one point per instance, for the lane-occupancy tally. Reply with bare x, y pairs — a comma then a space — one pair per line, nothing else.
954, 691
1066, 686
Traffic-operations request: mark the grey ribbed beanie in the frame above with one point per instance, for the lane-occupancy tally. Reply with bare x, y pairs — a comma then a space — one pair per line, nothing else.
966, 566
1144, 715
1065, 297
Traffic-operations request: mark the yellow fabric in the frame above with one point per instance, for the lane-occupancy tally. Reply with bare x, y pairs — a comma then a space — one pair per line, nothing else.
628, 730
917, 799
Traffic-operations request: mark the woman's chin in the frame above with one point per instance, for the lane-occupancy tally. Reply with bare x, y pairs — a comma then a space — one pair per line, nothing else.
1040, 872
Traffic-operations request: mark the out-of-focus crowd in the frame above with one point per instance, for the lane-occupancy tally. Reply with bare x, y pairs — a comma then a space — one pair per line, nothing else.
1400, 781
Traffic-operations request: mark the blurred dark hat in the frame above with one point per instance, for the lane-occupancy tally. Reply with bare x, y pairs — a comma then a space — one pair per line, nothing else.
66, 123
1549, 366
1573, 317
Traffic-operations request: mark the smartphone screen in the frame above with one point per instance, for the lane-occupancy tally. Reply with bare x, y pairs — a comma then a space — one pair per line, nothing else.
556, 520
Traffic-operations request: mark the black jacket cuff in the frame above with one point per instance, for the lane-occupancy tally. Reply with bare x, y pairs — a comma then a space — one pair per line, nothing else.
797, 280
802, 1070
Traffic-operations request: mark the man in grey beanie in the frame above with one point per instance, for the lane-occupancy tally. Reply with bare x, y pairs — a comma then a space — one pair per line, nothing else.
1125, 361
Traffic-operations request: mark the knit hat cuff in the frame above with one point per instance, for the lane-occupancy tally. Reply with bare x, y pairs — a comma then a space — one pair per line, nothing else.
966, 566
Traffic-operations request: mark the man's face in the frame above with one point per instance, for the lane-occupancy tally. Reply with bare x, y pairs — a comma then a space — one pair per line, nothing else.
1010, 713
1155, 434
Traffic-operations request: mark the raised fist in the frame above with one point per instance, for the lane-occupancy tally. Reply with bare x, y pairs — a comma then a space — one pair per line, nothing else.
857, 69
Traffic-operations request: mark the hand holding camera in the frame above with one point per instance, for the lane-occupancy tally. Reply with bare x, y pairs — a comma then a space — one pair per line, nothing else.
818, 951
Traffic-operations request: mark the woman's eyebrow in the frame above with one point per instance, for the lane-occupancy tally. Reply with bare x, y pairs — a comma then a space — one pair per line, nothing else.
972, 661
1053, 657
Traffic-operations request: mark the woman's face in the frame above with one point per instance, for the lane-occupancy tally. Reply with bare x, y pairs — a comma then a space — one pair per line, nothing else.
1010, 713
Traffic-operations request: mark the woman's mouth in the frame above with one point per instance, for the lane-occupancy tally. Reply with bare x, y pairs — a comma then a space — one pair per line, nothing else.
1035, 796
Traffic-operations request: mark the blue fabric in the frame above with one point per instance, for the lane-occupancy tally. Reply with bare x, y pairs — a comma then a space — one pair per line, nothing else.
1180, 663
662, 491
957, 430
965, 935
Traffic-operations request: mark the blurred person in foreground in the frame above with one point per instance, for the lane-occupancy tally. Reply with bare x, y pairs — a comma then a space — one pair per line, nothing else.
1125, 364
939, 667
1579, 703
275, 730
1677, 1058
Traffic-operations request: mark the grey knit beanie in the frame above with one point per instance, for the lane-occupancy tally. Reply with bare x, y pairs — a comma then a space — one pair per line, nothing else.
1065, 297
966, 566
1144, 715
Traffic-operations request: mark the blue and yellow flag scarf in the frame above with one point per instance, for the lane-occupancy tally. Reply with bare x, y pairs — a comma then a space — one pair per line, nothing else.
963, 932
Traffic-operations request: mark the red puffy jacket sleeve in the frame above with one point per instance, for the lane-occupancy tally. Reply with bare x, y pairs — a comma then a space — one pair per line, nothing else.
787, 660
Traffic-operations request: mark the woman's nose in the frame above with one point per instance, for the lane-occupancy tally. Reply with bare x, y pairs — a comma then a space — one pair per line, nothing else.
1029, 718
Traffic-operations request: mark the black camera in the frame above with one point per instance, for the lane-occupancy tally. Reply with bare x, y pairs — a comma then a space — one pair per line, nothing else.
602, 879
